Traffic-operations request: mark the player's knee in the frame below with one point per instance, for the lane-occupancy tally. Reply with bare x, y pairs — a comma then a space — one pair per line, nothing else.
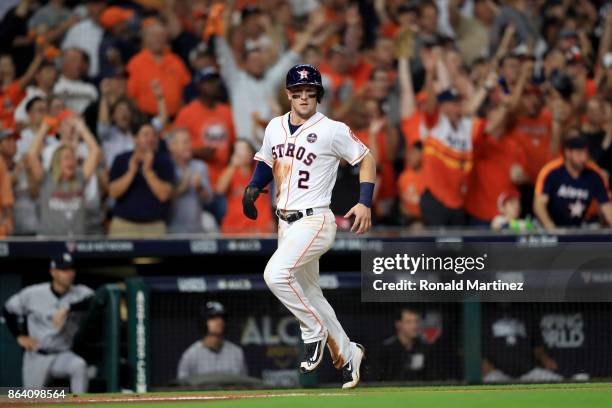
273, 275
78, 366
269, 276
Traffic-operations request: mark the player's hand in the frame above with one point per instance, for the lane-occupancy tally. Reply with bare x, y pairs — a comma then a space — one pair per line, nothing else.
59, 318
363, 218
248, 202
27, 342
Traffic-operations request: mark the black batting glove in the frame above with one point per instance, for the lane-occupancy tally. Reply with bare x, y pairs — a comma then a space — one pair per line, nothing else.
248, 201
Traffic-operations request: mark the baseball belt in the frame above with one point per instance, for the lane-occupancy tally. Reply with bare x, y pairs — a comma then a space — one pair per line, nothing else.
291, 216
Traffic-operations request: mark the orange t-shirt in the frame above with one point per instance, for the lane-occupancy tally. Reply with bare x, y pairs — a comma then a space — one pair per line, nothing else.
10, 97
6, 193
533, 136
448, 157
336, 79
389, 29
360, 73
410, 186
234, 220
491, 174
210, 128
386, 185
410, 126
169, 71
590, 88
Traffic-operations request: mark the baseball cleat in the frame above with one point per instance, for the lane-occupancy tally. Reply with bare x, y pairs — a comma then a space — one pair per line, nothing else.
351, 370
313, 354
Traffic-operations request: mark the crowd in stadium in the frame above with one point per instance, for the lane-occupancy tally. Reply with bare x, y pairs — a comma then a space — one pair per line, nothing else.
141, 118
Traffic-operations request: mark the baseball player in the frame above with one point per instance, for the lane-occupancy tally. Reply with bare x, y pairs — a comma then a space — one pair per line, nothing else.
42, 319
301, 152
213, 354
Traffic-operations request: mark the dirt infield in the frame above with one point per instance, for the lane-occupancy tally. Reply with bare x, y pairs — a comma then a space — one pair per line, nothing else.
149, 398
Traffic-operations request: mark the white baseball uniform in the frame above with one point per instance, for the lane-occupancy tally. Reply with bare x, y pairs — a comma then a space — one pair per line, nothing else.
305, 165
52, 357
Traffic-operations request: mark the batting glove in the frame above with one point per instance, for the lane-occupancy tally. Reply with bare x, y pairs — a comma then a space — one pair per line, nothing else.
248, 201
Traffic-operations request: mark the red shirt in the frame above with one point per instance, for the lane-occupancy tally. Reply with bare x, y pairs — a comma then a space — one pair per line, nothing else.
234, 220
491, 174
533, 136
210, 128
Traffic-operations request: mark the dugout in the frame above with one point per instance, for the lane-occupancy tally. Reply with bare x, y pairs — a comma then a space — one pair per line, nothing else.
149, 295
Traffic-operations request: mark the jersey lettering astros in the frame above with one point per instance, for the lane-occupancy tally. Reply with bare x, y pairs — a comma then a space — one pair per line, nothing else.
305, 163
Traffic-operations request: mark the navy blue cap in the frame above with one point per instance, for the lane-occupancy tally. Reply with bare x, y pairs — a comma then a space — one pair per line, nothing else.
566, 33
249, 11
4, 133
205, 74
63, 261
214, 309
408, 7
576, 142
448, 95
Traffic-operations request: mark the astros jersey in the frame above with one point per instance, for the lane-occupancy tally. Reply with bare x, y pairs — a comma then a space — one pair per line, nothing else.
569, 198
448, 157
305, 163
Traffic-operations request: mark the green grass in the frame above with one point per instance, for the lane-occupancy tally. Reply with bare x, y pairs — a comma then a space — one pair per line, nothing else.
514, 396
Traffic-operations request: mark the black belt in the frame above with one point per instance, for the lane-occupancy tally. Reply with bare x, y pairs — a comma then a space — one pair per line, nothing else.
294, 215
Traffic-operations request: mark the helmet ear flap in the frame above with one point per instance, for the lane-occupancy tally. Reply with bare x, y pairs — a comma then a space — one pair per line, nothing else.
320, 94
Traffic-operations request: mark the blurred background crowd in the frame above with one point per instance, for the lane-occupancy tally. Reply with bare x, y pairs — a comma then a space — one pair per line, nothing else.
141, 118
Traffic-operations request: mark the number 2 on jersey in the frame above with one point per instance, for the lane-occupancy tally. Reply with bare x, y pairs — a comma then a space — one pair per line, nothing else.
304, 177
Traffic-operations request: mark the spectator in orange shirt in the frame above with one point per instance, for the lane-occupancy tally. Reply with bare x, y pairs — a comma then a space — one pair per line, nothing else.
448, 149
210, 123
212, 130
359, 69
372, 127
382, 140
334, 72
156, 62
11, 89
496, 156
410, 185
232, 183
6, 191
533, 132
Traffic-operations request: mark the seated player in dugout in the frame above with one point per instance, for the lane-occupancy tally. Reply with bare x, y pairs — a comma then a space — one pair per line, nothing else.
213, 354
513, 348
404, 356
44, 319
567, 187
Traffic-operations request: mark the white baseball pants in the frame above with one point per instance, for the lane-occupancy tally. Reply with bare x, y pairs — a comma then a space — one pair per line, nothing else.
37, 368
292, 274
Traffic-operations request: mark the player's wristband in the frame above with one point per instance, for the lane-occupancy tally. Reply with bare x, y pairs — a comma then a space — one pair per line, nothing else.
262, 175
366, 192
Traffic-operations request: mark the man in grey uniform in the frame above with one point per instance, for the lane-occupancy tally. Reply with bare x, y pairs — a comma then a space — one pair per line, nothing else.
212, 354
43, 319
